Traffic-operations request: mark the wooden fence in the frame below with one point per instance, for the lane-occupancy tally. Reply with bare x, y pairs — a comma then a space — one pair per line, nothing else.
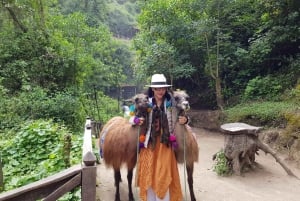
55, 186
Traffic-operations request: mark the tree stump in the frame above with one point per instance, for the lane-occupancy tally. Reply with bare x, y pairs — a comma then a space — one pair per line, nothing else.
242, 144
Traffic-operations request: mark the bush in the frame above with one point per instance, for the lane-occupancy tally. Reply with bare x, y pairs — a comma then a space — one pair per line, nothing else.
263, 88
260, 113
38, 142
293, 124
103, 110
221, 166
34, 103
294, 94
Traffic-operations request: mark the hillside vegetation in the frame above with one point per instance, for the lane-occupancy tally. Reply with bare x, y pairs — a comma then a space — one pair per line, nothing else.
59, 60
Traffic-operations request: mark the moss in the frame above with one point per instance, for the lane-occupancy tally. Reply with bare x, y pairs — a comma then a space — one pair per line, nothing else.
293, 124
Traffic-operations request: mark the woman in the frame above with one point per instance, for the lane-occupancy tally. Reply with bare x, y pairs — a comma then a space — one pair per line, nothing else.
157, 171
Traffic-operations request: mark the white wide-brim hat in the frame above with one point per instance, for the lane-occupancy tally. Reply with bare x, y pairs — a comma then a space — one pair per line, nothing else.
158, 81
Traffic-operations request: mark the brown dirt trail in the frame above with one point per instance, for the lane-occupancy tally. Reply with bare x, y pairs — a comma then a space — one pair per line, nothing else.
268, 183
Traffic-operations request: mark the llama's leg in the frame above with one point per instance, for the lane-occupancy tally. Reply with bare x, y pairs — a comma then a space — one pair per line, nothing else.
117, 184
190, 170
129, 179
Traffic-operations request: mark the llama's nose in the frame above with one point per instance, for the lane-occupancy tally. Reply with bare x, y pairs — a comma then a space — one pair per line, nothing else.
186, 104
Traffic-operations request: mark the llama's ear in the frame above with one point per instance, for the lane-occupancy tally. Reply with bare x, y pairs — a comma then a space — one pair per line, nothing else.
136, 100
176, 97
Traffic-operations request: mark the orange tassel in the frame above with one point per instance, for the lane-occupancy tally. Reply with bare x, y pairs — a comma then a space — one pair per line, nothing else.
142, 138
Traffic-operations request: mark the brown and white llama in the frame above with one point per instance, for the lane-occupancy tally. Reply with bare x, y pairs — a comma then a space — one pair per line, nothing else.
187, 151
119, 141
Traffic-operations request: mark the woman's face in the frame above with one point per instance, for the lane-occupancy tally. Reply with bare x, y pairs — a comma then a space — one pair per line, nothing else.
159, 92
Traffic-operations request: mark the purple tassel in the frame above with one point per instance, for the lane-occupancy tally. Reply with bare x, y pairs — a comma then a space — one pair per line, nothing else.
136, 120
174, 145
173, 141
141, 145
172, 138
101, 153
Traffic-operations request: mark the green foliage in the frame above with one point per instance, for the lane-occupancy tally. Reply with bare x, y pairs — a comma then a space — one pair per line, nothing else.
75, 195
122, 18
162, 44
263, 88
38, 142
239, 40
221, 166
294, 94
101, 109
260, 113
9, 116
161, 57
47, 58
293, 124
35, 103
95, 10
277, 37
52, 53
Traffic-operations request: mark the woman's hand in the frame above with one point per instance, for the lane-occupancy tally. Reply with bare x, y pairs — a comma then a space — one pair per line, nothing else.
141, 121
182, 119
138, 120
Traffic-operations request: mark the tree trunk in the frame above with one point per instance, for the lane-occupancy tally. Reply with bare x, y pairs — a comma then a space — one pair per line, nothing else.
219, 96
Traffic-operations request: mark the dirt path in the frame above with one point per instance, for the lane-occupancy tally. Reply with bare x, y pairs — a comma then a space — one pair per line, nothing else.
270, 183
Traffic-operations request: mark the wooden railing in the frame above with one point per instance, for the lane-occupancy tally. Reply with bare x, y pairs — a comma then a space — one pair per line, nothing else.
55, 186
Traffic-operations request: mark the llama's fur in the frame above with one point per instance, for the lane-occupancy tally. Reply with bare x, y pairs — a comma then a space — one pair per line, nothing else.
118, 142
119, 134
187, 150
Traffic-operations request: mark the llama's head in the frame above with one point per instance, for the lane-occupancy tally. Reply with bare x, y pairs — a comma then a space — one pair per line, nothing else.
181, 102
141, 103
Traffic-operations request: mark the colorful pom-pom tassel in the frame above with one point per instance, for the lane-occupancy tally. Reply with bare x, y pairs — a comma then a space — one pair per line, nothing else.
141, 145
142, 138
136, 120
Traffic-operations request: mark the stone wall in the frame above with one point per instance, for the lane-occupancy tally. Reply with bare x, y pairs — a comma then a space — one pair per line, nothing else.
207, 119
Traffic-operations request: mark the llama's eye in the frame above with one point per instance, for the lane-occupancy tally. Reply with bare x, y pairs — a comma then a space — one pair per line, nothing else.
176, 98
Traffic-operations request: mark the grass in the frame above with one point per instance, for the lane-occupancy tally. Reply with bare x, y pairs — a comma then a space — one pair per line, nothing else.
264, 113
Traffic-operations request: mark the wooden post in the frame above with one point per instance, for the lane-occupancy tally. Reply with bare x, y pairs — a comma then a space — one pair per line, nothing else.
89, 172
89, 169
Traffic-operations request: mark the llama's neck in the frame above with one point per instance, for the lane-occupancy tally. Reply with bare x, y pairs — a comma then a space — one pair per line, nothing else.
181, 112
143, 114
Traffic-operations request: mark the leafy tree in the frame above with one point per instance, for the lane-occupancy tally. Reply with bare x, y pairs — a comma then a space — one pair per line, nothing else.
157, 49
232, 39
96, 10
277, 39
121, 19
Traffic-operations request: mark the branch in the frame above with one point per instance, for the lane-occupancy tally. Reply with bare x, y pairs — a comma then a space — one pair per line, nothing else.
15, 19
267, 149
208, 57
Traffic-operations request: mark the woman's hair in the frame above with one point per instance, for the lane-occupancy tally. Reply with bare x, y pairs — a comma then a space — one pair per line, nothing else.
150, 93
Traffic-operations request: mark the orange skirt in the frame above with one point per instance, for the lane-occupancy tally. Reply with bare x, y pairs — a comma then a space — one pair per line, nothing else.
158, 169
